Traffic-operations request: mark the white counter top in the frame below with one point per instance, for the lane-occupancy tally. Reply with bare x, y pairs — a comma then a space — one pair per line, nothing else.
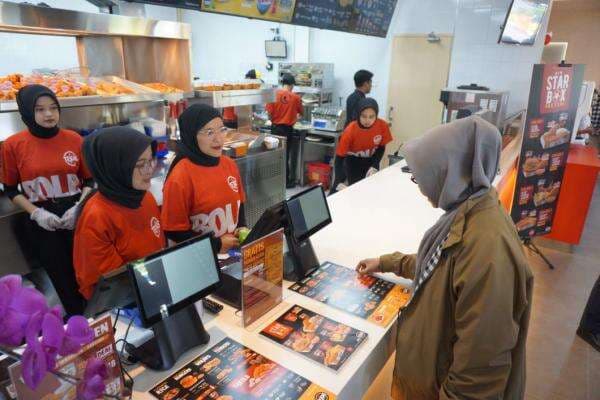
381, 214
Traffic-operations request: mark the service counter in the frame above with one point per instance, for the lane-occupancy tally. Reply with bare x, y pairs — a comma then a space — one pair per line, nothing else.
381, 214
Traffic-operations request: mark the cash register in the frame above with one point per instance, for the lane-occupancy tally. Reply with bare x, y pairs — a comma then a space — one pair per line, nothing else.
165, 287
300, 216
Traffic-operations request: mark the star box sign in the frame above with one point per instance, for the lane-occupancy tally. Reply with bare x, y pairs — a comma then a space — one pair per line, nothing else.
556, 89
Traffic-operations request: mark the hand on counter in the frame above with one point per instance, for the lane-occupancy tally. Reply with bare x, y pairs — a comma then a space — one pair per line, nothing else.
228, 242
46, 219
368, 266
372, 171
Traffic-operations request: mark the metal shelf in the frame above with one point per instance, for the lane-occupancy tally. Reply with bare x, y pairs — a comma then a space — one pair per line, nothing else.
235, 98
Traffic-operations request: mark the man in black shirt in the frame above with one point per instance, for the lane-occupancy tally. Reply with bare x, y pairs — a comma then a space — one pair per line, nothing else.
363, 80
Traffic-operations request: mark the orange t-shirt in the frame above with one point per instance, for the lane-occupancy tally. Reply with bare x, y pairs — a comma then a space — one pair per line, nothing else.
203, 199
109, 235
46, 168
359, 142
229, 114
286, 108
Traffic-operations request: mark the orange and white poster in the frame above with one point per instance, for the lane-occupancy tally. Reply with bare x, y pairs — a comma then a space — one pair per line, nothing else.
262, 276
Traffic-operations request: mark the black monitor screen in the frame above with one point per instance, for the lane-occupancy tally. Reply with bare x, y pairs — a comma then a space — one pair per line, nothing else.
523, 21
175, 277
308, 212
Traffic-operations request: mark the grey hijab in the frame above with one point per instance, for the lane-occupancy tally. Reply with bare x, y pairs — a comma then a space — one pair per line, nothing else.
451, 163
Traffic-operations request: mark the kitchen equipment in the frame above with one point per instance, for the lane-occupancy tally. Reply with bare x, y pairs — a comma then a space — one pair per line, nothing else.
328, 118
490, 105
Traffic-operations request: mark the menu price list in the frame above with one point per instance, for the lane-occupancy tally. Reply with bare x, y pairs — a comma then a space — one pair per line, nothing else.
548, 130
369, 17
328, 342
365, 296
231, 371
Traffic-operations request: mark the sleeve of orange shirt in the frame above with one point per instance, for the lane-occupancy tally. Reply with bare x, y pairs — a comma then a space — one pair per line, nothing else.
344, 144
299, 108
94, 253
387, 135
176, 208
10, 173
270, 107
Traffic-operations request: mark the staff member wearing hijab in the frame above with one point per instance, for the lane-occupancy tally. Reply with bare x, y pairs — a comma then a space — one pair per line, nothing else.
362, 145
46, 162
120, 222
203, 192
463, 333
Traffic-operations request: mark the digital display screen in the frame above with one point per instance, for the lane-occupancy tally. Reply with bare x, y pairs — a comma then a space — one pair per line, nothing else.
175, 276
307, 212
276, 48
523, 21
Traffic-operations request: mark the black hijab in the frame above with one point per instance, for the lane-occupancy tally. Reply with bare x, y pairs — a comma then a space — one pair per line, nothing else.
26, 99
191, 121
111, 155
363, 104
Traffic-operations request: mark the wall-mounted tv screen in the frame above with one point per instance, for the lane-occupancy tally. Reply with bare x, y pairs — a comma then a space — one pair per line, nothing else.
523, 21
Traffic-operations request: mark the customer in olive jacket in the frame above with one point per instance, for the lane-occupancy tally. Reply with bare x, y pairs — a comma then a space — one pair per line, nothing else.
463, 333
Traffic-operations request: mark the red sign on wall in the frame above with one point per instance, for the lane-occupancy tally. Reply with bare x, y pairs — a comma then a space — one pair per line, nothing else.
556, 89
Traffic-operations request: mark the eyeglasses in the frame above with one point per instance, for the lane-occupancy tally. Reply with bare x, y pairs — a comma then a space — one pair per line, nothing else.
146, 165
210, 132
412, 178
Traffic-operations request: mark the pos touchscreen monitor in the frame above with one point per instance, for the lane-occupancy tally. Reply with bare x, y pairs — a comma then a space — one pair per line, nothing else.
308, 213
170, 280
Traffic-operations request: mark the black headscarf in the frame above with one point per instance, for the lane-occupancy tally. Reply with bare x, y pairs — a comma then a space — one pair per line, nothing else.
191, 121
363, 104
111, 155
26, 99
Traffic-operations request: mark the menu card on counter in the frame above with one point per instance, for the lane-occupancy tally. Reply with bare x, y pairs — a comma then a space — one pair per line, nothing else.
553, 101
231, 371
369, 17
312, 335
262, 276
365, 296
102, 347
271, 10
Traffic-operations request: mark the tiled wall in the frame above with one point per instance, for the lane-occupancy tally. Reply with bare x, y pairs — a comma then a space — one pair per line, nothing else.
477, 56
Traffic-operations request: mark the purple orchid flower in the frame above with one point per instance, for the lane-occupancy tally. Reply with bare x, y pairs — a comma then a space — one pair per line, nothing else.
78, 334
35, 362
93, 385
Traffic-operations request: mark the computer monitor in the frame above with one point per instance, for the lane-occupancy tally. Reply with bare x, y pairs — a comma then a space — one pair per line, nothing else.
174, 278
272, 218
308, 213
113, 290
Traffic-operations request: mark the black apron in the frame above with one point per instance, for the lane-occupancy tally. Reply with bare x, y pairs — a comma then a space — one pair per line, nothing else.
53, 251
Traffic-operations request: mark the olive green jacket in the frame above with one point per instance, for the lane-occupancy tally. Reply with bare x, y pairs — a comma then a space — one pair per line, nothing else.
463, 334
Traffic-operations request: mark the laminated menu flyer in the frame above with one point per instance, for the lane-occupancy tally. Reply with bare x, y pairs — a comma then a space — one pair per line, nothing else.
365, 296
231, 371
321, 339
553, 102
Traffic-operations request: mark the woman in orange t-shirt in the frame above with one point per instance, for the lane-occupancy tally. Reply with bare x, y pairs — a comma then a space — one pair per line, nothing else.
203, 192
43, 174
362, 145
120, 222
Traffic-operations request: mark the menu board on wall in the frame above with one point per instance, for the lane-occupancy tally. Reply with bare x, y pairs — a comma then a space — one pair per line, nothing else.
368, 17
549, 125
365, 296
312, 335
190, 4
231, 371
51, 387
271, 10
